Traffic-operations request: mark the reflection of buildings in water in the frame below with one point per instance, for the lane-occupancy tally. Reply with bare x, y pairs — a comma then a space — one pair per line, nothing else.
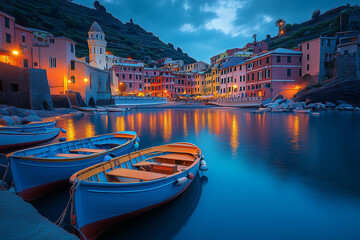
120, 123
234, 134
185, 126
167, 129
89, 130
138, 124
71, 134
196, 122
296, 133
178, 211
152, 124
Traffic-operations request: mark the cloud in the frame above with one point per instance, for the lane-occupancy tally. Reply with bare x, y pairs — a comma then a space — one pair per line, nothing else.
267, 18
186, 6
225, 16
188, 27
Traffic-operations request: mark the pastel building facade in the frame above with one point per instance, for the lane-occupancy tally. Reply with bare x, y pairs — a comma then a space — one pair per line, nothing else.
316, 57
199, 83
132, 75
275, 72
232, 78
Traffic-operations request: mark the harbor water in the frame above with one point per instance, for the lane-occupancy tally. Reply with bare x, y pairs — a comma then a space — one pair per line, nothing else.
271, 175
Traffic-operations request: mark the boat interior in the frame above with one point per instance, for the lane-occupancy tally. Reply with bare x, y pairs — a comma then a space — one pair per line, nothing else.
145, 165
77, 148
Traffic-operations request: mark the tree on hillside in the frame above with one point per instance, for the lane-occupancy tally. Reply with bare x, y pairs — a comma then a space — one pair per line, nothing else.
96, 4
315, 13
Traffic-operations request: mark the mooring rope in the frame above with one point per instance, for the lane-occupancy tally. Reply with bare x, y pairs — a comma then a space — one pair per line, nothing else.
6, 170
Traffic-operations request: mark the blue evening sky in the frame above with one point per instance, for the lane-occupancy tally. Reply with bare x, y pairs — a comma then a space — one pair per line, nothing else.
204, 28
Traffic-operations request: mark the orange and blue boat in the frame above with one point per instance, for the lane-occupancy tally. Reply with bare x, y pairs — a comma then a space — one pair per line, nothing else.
38, 170
128, 185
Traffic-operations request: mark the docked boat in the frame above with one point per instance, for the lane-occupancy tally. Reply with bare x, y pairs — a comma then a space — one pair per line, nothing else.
128, 185
37, 170
116, 109
19, 137
29, 126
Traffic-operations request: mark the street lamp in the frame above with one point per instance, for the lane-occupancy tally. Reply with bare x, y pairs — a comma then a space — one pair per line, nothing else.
85, 79
15, 52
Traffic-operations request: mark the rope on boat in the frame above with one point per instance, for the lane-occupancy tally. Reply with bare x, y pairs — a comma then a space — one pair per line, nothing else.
6, 171
69, 204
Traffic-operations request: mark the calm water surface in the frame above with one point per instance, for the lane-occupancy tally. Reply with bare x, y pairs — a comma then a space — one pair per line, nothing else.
271, 176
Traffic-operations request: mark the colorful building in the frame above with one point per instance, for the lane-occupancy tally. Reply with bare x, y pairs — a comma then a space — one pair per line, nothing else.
275, 72
316, 57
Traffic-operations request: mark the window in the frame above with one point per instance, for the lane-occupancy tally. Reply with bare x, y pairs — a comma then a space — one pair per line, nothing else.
300, 72
72, 79
288, 72
25, 63
23, 38
72, 48
14, 87
346, 52
52, 40
300, 59
307, 46
300, 47
308, 57
322, 42
130, 76
140, 86
8, 38
252, 76
307, 67
289, 59
267, 73
7, 22
35, 64
99, 86
52, 62
328, 43
72, 64
267, 60
278, 59
130, 84
123, 76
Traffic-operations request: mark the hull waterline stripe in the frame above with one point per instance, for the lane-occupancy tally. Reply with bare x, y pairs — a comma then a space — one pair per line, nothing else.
49, 166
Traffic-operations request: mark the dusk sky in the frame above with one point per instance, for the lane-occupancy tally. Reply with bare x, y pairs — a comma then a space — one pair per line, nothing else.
204, 28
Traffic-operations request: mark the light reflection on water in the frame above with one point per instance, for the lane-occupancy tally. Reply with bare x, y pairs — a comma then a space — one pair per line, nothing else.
271, 176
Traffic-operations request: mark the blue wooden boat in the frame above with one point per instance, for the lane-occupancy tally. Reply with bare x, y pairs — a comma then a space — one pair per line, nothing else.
19, 137
128, 185
38, 170
29, 126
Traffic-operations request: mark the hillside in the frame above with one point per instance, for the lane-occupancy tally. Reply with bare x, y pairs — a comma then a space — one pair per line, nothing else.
343, 18
63, 18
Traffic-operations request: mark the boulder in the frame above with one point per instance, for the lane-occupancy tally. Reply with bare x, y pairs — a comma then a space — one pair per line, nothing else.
278, 101
18, 120
344, 105
15, 111
338, 102
284, 106
289, 102
266, 101
274, 105
357, 109
30, 113
7, 121
311, 106
29, 119
330, 105
339, 108
278, 109
349, 108
303, 105
4, 112
296, 105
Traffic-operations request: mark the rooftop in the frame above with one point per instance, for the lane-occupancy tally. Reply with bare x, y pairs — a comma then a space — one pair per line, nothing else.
95, 27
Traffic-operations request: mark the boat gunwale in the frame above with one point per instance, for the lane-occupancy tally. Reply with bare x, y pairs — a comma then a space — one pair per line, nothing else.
69, 159
30, 133
74, 178
29, 125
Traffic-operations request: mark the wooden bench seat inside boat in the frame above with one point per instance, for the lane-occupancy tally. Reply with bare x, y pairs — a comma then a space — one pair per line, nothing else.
136, 174
69, 155
178, 156
90, 150
145, 163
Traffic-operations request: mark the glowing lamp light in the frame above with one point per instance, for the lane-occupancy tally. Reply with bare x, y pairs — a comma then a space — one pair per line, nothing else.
297, 87
235, 86
15, 52
69, 81
165, 91
85, 79
121, 83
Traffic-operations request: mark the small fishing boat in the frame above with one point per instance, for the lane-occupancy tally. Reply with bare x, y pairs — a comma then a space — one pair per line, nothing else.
128, 185
37, 170
24, 137
29, 126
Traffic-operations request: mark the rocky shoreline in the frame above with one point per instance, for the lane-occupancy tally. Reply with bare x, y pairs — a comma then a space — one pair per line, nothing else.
286, 105
11, 116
